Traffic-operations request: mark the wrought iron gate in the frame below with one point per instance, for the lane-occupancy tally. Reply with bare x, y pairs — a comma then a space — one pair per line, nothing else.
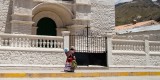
90, 50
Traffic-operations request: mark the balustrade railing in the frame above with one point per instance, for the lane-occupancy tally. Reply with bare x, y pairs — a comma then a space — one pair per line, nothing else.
27, 41
128, 45
154, 46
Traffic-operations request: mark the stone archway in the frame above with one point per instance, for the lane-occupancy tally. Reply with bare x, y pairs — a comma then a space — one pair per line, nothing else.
46, 26
61, 15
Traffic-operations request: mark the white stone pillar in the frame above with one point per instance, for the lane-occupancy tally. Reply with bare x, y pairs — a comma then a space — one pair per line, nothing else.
146, 41
65, 35
109, 49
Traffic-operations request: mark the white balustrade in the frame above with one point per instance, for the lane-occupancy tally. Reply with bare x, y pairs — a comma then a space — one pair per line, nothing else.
27, 41
154, 46
134, 45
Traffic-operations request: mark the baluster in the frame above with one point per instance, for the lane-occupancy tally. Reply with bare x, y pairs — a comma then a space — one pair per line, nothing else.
47, 43
124, 47
128, 46
10, 42
134, 47
113, 48
138, 47
32, 43
151, 48
2, 42
23, 42
142, 47
131, 46
156, 48
40, 43
5, 42
26, 42
36, 41
29, 42
55, 43
44, 43
19, 42
15, 42
51, 43
120, 47
117, 46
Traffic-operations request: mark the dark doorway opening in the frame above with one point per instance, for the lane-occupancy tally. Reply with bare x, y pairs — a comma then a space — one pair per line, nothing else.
46, 26
91, 58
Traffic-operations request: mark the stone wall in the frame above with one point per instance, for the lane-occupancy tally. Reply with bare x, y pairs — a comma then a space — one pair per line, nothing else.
5, 15
155, 60
102, 15
38, 57
129, 59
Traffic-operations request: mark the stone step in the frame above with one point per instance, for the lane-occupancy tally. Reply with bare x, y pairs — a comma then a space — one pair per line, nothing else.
57, 67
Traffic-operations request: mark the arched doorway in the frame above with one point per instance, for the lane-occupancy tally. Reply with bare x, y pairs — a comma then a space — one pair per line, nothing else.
46, 26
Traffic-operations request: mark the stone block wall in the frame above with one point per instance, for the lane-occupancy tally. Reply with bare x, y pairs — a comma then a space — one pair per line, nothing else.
102, 15
25, 57
5, 15
155, 59
129, 59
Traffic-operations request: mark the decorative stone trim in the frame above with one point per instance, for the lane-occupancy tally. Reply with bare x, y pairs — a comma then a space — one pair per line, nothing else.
22, 22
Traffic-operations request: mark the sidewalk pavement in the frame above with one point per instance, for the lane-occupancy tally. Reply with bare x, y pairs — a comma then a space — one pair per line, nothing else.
59, 73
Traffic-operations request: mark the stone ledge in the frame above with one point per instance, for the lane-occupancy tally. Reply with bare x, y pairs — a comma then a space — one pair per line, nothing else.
22, 22
31, 49
22, 15
128, 52
154, 53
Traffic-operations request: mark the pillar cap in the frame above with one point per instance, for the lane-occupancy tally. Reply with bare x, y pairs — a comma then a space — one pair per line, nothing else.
65, 33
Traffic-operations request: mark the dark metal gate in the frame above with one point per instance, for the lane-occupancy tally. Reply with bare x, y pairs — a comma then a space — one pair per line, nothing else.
90, 50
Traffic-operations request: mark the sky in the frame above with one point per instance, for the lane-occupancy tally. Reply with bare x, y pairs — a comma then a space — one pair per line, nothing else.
119, 1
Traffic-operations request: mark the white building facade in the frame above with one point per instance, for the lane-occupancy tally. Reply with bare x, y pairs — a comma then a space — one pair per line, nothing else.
23, 17
22, 21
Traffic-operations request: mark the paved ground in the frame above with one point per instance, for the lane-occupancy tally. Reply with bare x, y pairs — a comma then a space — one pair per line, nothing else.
91, 74
91, 78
